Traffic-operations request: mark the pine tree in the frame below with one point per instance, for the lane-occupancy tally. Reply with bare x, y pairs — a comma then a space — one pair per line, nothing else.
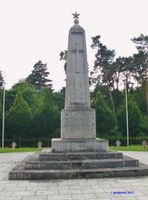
47, 116
103, 63
39, 76
134, 116
141, 61
105, 121
19, 117
1, 79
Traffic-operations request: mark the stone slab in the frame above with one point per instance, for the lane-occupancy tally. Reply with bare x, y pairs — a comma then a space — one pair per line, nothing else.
81, 164
81, 145
78, 124
51, 156
21, 174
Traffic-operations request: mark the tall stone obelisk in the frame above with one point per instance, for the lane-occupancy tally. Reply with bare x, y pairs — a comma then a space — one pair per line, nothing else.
78, 121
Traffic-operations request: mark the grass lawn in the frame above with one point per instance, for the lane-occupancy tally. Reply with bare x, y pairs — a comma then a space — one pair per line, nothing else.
27, 149
128, 148
112, 148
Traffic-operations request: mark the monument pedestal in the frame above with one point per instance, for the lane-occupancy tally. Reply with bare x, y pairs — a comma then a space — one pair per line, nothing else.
78, 123
78, 132
81, 145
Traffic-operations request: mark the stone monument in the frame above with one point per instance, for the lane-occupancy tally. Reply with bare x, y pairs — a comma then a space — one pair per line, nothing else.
78, 121
78, 153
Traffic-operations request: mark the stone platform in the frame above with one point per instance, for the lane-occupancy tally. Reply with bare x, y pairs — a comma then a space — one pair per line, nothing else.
81, 145
50, 165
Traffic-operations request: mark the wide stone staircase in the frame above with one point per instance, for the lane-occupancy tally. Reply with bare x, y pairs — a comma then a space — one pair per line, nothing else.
50, 165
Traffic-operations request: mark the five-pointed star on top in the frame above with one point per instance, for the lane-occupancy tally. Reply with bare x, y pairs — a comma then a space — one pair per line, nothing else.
75, 15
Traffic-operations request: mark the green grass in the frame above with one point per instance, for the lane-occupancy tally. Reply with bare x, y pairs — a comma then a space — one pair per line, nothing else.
7, 150
129, 148
112, 148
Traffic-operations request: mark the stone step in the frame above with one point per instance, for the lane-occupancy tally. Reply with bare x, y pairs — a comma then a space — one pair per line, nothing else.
81, 164
20, 174
79, 155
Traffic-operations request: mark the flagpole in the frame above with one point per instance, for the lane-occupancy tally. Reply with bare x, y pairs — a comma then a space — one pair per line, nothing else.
127, 122
3, 116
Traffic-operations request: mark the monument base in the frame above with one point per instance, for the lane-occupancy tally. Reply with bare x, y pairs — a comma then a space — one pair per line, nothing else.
82, 145
78, 123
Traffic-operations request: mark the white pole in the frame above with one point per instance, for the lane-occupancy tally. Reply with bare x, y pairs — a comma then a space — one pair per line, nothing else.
127, 124
3, 116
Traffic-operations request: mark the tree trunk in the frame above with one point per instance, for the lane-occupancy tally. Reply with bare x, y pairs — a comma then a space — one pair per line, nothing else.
146, 85
111, 97
146, 94
112, 102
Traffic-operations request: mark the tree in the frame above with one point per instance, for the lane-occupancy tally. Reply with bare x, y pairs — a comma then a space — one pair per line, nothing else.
105, 121
39, 76
141, 61
47, 116
19, 117
123, 68
1, 111
139, 96
58, 98
102, 64
1, 80
134, 117
29, 93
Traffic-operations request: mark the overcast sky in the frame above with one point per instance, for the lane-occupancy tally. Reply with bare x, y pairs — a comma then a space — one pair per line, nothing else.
33, 30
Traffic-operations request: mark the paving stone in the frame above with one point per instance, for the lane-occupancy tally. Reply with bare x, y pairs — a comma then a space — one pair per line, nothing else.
145, 192
142, 198
129, 198
36, 188
70, 192
14, 188
68, 182
6, 194
90, 196
10, 198
49, 192
34, 198
2, 188
87, 191
24, 193
97, 188
115, 198
102, 195
26, 183
118, 189
60, 197
82, 182
77, 187
136, 188
78, 196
